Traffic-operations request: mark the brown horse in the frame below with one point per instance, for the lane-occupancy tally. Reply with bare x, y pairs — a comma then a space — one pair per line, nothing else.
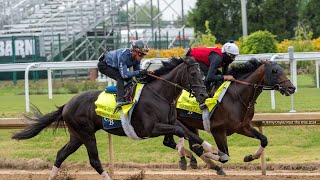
154, 115
235, 112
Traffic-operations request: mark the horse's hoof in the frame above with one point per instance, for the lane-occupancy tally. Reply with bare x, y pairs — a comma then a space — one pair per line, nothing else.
224, 158
193, 163
221, 172
248, 158
183, 164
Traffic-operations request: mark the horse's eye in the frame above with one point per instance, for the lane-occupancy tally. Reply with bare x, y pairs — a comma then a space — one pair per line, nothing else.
193, 74
274, 71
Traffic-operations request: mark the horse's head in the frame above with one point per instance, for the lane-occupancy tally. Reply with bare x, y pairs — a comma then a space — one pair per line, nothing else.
183, 74
276, 77
193, 80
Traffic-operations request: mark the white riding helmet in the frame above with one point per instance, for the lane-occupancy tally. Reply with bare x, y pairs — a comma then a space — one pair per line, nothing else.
230, 48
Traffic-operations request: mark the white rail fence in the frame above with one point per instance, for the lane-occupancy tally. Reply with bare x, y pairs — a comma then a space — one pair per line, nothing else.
290, 57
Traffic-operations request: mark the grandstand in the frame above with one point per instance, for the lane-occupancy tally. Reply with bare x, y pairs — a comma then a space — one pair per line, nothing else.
71, 30
60, 22
82, 29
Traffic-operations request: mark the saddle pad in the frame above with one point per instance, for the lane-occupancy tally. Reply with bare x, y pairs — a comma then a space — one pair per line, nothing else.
192, 115
106, 104
190, 103
110, 123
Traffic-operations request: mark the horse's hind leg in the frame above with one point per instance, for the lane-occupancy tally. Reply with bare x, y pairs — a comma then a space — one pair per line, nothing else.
63, 153
199, 151
91, 145
169, 142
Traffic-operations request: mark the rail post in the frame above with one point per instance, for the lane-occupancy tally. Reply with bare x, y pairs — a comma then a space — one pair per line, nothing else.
26, 84
111, 155
262, 157
292, 74
273, 99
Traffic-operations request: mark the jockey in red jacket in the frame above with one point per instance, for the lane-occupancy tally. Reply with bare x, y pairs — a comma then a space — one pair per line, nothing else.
212, 58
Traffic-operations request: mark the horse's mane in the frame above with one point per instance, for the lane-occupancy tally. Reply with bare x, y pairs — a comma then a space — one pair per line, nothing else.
239, 70
167, 66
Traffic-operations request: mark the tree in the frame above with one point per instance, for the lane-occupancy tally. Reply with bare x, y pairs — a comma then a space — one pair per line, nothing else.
224, 17
311, 17
207, 39
254, 15
280, 17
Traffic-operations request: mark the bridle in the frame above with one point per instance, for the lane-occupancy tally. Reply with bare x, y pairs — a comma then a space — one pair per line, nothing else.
273, 83
190, 86
275, 86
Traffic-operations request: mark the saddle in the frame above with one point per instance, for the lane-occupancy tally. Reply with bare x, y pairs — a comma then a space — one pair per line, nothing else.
213, 88
129, 90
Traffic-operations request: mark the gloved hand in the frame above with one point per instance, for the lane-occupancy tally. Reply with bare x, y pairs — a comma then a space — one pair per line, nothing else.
228, 78
143, 72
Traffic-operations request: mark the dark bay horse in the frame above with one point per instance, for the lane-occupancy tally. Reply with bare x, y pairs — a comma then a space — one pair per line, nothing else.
235, 112
154, 115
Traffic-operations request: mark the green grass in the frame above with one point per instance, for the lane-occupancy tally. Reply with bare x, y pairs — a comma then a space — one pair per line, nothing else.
286, 144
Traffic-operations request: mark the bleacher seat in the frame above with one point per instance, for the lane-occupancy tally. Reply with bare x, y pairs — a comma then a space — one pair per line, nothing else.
52, 17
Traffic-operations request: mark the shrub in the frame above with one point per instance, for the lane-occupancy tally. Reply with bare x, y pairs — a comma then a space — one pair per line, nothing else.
258, 42
166, 53
207, 39
316, 44
71, 86
89, 85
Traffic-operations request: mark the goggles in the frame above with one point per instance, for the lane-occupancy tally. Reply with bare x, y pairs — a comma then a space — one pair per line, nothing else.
141, 54
232, 56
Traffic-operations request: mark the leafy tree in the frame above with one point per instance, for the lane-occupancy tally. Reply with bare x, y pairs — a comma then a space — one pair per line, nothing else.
311, 17
258, 42
207, 39
254, 15
224, 17
280, 17
301, 7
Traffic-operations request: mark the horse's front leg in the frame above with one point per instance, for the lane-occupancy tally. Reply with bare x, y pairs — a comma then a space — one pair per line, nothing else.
212, 153
220, 136
250, 131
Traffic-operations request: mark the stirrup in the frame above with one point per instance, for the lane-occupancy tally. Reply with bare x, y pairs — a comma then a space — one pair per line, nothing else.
119, 104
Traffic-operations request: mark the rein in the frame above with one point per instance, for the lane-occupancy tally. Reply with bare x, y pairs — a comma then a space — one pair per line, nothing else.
160, 78
256, 85
265, 87
176, 85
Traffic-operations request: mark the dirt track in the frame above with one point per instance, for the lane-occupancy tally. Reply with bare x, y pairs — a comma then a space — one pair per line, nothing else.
37, 169
156, 174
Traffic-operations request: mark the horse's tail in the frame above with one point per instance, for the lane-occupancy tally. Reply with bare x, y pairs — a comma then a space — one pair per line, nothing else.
39, 122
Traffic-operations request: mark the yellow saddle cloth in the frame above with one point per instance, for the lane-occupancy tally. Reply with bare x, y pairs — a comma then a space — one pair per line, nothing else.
190, 103
106, 104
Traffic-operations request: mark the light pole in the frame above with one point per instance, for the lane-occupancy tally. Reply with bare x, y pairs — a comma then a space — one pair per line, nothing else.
244, 17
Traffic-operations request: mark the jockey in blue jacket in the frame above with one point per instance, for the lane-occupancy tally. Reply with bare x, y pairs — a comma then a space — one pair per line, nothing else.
115, 64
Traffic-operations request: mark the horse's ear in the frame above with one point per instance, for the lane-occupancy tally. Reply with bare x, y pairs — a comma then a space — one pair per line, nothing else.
186, 59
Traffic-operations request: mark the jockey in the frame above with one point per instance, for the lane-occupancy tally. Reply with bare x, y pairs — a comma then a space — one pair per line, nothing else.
212, 58
115, 64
